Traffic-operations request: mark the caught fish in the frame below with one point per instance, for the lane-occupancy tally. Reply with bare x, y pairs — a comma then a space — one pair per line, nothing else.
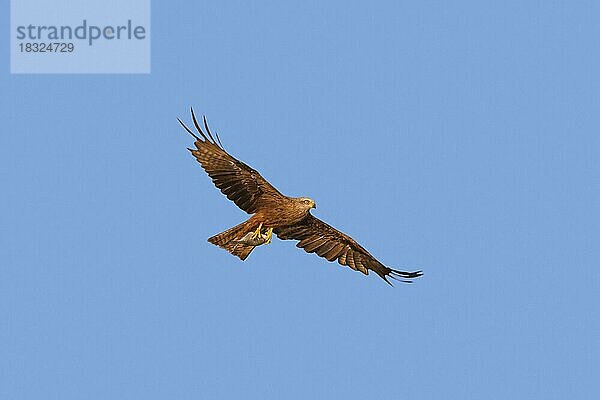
249, 240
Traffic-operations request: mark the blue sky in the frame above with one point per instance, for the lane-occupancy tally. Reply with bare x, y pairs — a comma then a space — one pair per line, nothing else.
461, 139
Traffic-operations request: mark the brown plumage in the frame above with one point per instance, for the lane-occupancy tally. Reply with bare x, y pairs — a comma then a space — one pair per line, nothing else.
288, 217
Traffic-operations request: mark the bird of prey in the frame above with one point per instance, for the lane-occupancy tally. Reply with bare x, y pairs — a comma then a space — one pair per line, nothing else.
272, 212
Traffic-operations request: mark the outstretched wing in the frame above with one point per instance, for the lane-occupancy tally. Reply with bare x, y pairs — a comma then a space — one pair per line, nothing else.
239, 182
315, 236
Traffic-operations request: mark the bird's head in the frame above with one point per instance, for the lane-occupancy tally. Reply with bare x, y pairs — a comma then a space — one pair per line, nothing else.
306, 202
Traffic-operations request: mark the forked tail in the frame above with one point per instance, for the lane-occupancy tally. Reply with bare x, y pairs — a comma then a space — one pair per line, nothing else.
228, 239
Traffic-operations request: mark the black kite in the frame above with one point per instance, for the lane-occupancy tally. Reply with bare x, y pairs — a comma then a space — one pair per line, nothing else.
288, 217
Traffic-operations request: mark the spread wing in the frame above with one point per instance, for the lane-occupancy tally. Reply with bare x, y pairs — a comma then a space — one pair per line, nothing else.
239, 182
315, 236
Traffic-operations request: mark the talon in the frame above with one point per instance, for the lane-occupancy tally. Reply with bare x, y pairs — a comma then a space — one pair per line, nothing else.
269, 235
257, 232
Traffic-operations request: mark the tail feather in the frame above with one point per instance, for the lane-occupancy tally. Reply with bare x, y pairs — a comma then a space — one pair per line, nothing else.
227, 239
239, 250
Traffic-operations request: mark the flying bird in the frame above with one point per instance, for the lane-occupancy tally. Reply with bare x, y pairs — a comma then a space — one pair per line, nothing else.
272, 212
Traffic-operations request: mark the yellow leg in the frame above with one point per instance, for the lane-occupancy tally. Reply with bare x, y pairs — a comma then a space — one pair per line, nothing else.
257, 232
269, 235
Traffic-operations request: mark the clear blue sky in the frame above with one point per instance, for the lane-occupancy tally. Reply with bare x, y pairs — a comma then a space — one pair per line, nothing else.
459, 139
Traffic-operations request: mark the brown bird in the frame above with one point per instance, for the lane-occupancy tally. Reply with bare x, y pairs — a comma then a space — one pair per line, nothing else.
288, 217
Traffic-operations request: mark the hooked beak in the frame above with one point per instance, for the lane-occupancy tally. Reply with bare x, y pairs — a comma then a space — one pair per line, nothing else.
314, 205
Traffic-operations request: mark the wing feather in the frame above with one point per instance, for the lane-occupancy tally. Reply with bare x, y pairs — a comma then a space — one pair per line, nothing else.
315, 235
362, 267
325, 247
239, 182
351, 260
315, 245
342, 257
304, 242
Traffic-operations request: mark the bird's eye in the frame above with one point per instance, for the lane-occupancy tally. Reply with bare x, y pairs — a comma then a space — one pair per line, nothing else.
306, 202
